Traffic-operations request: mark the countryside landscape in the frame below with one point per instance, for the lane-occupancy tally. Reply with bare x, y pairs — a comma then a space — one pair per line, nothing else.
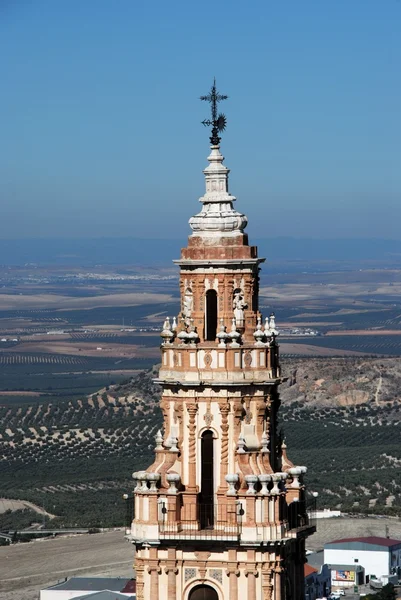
78, 407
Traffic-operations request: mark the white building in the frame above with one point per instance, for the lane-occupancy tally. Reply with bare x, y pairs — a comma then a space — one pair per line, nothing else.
376, 555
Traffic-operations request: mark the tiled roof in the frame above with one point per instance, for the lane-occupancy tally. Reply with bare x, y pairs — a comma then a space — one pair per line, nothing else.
308, 570
373, 540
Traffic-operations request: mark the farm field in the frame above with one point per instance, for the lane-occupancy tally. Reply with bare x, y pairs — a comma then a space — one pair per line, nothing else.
75, 457
74, 425
387, 345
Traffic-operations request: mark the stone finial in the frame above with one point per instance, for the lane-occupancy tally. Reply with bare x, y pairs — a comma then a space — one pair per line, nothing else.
272, 325
234, 335
241, 445
222, 336
159, 441
265, 442
174, 442
286, 463
183, 336
267, 328
166, 333
192, 335
259, 333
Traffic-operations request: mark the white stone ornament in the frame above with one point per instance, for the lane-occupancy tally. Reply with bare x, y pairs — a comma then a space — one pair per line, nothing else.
137, 484
241, 445
267, 329
183, 336
272, 325
265, 442
153, 478
142, 481
259, 333
276, 480
251, 481
173, 480
234, 335
192, 336
188, 304
166, 333
239, 305
159, 440
232, 480
217, 217
264, 479
222, 336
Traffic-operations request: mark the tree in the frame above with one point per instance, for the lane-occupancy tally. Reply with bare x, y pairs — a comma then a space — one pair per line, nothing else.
388, 592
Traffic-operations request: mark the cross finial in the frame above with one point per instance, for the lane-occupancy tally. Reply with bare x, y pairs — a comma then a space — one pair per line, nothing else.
218, 122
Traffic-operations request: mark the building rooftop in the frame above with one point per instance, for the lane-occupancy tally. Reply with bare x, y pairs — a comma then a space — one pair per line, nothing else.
316, 559
355, 567
308, 570
105, 595
112, 584
372, 540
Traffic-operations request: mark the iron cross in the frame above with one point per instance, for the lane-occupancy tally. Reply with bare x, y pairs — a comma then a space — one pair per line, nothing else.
218, 122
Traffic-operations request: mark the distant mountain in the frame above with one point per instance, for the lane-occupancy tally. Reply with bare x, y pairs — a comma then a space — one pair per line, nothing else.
134, 251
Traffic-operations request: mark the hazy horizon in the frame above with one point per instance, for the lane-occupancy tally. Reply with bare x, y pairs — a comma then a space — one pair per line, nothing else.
106, 251
101, 133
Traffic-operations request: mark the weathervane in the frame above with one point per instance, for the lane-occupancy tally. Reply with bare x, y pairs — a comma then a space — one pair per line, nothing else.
218, 122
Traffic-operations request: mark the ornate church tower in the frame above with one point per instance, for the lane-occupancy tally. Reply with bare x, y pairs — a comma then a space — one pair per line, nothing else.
221, 513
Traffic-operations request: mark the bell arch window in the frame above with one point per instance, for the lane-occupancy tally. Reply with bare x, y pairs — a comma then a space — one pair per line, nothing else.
211, 316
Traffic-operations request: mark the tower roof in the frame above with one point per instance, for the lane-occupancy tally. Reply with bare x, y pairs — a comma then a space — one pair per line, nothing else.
217, 218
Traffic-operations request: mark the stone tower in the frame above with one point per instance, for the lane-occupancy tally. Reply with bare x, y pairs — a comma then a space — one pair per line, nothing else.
221, 513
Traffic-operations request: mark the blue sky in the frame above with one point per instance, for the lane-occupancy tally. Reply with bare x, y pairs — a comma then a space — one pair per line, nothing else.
101, 131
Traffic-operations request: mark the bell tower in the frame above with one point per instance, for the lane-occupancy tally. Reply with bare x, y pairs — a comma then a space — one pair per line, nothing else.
221, 513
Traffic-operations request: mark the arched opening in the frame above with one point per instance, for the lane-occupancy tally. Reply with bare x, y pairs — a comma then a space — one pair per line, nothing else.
206, 495
203, 592
211, 316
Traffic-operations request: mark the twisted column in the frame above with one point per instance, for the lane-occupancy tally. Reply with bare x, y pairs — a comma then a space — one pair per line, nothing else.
224, 411
192, 410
